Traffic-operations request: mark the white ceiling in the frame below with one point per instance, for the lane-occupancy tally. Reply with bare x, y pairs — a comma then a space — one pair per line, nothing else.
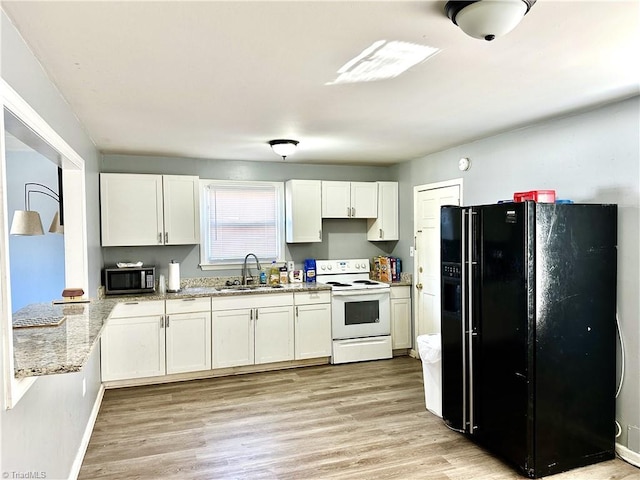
218, 79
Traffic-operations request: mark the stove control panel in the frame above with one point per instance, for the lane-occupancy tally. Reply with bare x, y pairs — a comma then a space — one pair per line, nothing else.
343, 266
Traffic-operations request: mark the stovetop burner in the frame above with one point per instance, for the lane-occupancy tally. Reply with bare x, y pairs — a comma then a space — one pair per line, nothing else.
366, 282
338, 284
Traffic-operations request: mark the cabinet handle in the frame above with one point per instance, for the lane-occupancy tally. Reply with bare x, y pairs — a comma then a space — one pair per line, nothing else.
320, 234
160, 238
166, 237
380, 233
256, 314
251, 314
161, 321
353, 211
131, 303
296, 311
348, 211
167, 322
189, 299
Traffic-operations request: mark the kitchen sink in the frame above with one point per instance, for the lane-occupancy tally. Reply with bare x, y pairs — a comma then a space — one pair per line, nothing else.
239, 288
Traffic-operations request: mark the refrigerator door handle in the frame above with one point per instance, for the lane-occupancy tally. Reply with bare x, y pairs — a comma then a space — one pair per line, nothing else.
463, 314
469, 325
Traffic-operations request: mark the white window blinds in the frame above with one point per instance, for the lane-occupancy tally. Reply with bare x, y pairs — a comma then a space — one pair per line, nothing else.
241, 218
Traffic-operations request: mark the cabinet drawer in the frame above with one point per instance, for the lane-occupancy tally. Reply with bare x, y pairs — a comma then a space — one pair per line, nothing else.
138, 309
309, 298
401, 292
186, 305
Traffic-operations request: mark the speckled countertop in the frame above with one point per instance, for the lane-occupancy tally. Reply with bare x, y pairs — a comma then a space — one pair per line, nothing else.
61, 349
65, 348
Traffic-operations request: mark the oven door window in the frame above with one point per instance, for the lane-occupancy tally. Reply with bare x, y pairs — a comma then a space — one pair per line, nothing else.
362, 312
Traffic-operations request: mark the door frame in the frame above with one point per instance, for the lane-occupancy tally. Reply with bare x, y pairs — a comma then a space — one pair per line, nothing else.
415, 298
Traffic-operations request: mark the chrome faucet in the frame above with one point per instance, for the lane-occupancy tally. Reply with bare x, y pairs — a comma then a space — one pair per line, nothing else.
246, 276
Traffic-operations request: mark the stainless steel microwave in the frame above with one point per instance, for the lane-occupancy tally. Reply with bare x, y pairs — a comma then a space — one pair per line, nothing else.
122, 281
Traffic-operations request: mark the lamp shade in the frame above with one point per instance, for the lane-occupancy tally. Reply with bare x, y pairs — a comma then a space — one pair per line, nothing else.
26, 222
55, 226
488, 19
283, 147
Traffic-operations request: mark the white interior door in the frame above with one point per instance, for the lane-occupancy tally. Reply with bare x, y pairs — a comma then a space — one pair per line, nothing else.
427, 200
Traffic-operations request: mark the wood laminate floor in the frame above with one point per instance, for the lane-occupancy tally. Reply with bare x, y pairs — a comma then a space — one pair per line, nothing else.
354, 421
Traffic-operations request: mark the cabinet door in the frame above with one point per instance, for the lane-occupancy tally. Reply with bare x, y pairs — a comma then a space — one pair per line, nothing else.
385, 227
133, 348
364, 199
336, 199
313, 331
232, 338
274, 333
131, 209
188, 342
181, 209
401, 322
303, 211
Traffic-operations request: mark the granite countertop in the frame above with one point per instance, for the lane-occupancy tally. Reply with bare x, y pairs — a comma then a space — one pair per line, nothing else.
75, 328
64, 348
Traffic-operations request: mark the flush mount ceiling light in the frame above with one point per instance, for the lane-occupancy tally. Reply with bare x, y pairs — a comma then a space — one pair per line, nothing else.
283, 147
382, 60
487, 19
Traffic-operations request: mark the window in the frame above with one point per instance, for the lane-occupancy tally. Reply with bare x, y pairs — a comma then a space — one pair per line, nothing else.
240, 218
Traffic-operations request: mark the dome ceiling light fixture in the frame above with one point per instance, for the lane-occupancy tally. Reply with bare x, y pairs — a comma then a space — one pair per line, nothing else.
283, 147
487, 19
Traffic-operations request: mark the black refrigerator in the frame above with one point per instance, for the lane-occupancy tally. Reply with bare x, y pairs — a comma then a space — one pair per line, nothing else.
528, 331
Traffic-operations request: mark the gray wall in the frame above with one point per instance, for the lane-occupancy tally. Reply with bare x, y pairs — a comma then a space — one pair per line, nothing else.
44, 432
342, 238
591, 157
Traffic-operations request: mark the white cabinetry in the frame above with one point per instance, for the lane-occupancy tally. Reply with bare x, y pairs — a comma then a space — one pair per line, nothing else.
385, 227
401, 317
349, 199
188, 335
140, 340
303, 211
313, 324
252, 329
139, 209
132, 344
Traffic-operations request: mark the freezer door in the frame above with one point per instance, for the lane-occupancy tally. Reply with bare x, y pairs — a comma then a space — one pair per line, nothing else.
501, 350
453, 364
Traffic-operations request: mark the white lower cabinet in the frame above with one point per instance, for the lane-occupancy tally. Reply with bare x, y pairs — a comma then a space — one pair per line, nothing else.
401, 317
188, 338
133, 342
232, 338
261, 333
313, 325
140, 340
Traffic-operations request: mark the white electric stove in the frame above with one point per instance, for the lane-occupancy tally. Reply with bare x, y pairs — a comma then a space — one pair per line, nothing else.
360, 312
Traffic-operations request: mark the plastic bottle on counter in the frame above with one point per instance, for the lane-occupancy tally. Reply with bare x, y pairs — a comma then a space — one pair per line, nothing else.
263, 277
274, 274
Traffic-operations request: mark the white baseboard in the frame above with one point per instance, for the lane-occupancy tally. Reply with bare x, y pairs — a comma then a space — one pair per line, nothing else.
77, 463
627, 455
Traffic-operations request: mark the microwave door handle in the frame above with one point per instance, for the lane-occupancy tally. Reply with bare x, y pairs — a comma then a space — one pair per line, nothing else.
143, 283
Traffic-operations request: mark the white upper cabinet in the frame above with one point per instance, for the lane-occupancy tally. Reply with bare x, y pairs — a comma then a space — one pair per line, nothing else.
181, 209
349, 199
140, 209
385, 227
303, 211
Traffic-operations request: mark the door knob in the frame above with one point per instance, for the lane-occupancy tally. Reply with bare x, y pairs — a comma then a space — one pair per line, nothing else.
419, 286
